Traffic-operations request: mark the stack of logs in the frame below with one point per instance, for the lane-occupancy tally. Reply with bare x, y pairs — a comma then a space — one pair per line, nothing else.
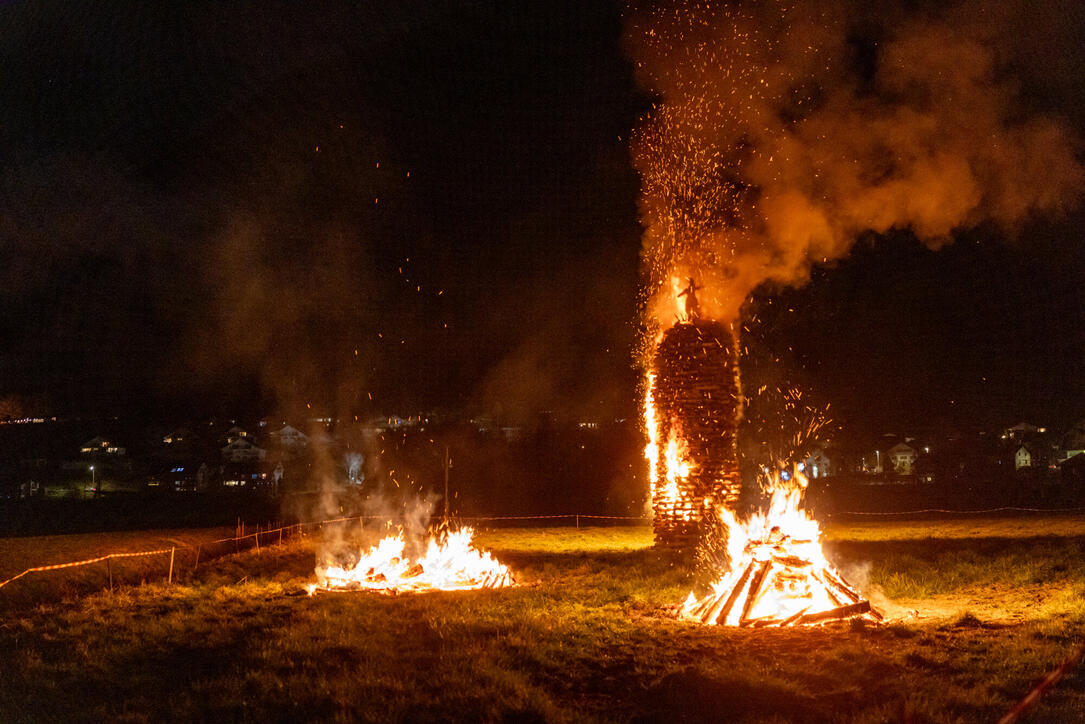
697, 394
772, 570
412, 581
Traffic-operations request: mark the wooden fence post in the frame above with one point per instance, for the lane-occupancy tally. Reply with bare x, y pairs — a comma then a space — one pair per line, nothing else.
172, 551
257, 539
197, 564
280, 535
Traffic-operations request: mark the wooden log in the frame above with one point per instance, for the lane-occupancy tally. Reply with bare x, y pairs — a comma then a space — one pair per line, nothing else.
721, 617
699, 610
763, 622
755, 589
794, 617
833, 595
854, 609
712, 613
843, 588
843, 581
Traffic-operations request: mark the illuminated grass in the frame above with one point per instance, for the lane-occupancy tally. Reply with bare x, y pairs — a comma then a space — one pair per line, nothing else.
19, 554
587, 637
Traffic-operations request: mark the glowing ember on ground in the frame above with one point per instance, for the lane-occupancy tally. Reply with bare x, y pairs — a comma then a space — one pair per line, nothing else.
450, 563
778, 575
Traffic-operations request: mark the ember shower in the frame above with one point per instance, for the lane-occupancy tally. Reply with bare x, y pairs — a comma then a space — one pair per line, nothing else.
771, 144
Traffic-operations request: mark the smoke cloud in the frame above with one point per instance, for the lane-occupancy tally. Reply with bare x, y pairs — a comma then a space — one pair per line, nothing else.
779, 133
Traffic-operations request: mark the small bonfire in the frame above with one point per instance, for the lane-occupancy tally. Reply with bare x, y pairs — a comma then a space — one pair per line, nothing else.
450, 563
778, 574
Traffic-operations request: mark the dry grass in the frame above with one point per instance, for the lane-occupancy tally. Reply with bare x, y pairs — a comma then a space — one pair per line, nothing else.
19, 554
588, 638
22, 553
1035, 525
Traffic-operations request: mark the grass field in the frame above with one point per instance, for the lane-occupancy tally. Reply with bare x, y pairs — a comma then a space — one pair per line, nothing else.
19, 554
983, 608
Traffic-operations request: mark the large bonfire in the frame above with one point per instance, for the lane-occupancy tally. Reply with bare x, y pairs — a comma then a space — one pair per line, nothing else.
450, 563
774, 572
778, 574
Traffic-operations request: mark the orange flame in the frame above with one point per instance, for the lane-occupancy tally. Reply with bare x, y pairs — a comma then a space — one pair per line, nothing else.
676, 463
651, 450
678, 466
451, 564
784, 543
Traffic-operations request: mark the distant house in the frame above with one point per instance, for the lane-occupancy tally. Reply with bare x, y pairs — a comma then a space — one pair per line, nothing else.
1074, 439
187, 478
241, 450
1067, 454
1072, 469
290, 438
236, 433
1022, 457
817, 464
247, 474
100, 446
871, 463
902, 457
177, 437
1021, 430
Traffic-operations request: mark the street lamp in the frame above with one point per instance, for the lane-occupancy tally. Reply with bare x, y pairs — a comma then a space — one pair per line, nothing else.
92, 479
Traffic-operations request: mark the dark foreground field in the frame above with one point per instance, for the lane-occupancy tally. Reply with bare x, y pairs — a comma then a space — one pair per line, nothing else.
983, 609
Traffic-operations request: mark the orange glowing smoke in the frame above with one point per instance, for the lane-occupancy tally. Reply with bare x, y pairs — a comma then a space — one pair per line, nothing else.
767, 150
450, 563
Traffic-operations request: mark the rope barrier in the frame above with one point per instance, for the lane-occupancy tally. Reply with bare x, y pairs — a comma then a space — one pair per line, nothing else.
1043, 687
962, 512
567, 516
301, 526
73, 564
551, 517
489, 517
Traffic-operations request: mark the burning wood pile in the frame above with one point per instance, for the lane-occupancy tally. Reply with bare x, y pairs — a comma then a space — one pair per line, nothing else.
692, 408
778, 574
450, 563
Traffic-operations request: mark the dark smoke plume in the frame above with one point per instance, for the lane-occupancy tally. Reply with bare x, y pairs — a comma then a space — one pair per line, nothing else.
780, 132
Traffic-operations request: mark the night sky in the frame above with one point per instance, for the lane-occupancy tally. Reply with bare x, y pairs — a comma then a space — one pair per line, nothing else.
371, 207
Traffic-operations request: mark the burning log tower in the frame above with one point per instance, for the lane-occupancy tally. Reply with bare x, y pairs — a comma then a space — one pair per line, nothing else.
695, 405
